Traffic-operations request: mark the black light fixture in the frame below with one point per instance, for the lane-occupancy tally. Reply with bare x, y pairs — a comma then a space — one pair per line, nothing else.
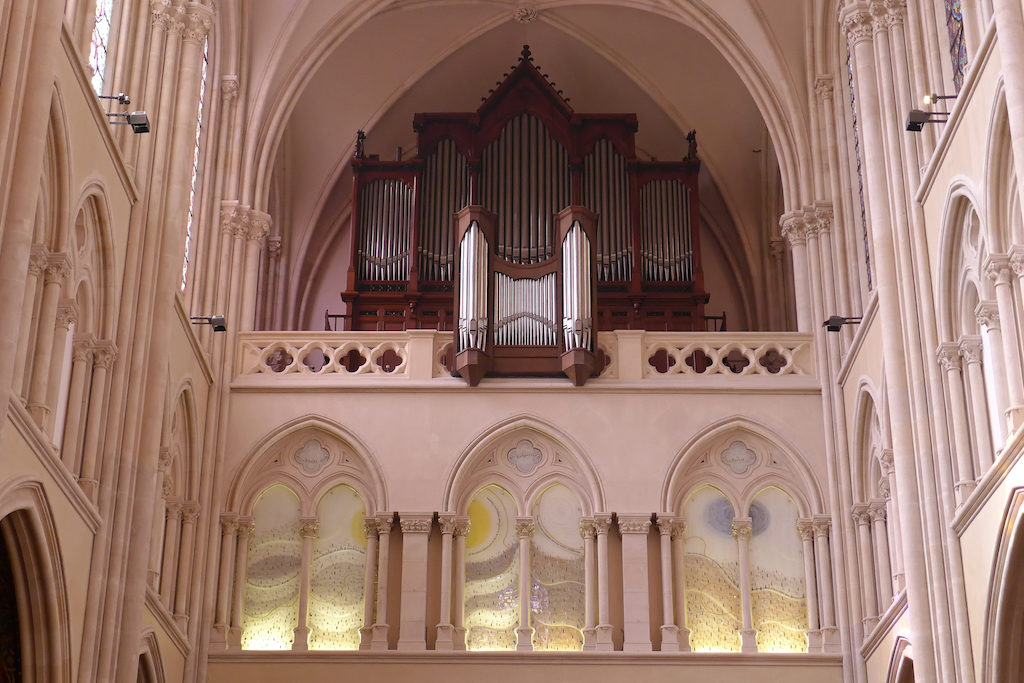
836, 322
138, 120
917, 118
215, 321
932, 98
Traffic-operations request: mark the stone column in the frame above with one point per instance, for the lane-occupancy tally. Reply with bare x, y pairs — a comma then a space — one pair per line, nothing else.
309, 527
172, 530
590, 583
988, 319
949, 360
880, 536
226, 571
369, 583
458, 621
805, 529
669, 630
445, 628
1010, 32
186, 551
602, 524
156, 543
1017, 266
379, 641
823, 558
524, 634
636, 592
679, 580
104, 354
867, 566
998, 270
741, 531
892, 508
971, 351
245, 529
67, 315
36, 267
58, 268
81, 367
258, 227
794, 229
412, 632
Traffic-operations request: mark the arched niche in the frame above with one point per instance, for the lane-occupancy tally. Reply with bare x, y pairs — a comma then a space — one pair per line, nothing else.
1003, 657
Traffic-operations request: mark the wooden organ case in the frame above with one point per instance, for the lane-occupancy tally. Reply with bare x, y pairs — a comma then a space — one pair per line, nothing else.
525, 228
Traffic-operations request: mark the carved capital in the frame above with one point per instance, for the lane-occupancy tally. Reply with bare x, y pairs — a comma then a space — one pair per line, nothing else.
524, 15
164, 459
258, 226
384, 523
274, 245
822, 526
742, 528
67, 313
190, 512
447, 524
805, 529
1017, 260
855, 21
971, 348
309, 528
861, 514
877, 510
174, 510
232, 219
58, 268
37, 260
229, 87
416, 524
462, 526
246, 527
196, 22
987, 314
794, 227
602, 523
679, 529
886, 462
823, 87
824, 216
104, 353
948, 355
229, 524
370, 527
634, 524
81, 349
163, 14
525, 527
587, 528
997, 268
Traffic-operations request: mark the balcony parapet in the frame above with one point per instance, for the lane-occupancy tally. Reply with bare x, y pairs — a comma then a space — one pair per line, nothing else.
761, 360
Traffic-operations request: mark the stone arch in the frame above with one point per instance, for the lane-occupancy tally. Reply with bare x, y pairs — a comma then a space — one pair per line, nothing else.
1002, 658
151, 665
901, 662
961, 249
276, 459
1000, 176
181, 439
27, 527
500, 456
871, 439
765, 459
93, 259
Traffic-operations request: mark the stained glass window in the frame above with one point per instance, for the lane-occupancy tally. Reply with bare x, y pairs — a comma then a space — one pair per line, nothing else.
713, 604
337, 579
957, 44
195, 167
860, 172
492, 571
558, 595
100, 42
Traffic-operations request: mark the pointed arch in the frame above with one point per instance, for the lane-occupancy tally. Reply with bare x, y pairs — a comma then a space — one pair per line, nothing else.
524, 476
1000, 176
151, 665
1003, 659
27, 527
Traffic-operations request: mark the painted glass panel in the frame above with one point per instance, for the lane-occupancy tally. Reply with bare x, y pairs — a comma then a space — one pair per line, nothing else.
778, 598
492, 571
336, 587
713, 606
557, 588
860, 172
957, 44
195, 166
99, 43
270, 611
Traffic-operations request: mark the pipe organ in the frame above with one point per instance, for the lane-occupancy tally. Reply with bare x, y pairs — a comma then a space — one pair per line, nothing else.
525, 227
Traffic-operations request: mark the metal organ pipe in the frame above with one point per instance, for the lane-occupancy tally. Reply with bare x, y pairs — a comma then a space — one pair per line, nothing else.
385, 224
473, 324
665, 231
577, 313
606, 192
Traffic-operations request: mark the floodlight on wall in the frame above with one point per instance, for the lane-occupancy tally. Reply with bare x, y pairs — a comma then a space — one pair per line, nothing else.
836, 322
120, 97
138, 120
932, 98
917, 118
215, 321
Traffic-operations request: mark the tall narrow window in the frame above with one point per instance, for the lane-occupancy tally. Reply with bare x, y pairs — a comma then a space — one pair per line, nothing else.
957, 45
100, 42
713, 602
195, 167
558, 596
860, 172
492, 571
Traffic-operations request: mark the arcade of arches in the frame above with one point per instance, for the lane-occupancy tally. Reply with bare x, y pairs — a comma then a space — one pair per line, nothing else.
266, 413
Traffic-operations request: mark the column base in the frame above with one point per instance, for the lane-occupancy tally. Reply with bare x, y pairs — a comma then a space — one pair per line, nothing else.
964, 489
524, 639
89, 487
301, 642
459, 639
219, 637
589, 639
153, 580
234, 639
181, 621
748, 640
869, 624
604, 638
379, 637
830, 640
1014, 418
445, 637
365, 637
669, 638
814, 642
38, 411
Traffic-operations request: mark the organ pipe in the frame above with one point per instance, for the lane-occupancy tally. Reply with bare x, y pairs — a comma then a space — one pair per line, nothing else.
473, 257
577, 315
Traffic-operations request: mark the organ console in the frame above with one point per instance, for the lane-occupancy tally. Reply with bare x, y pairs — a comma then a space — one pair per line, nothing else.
525, 228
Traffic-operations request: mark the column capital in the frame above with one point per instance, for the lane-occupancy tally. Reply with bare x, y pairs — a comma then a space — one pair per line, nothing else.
679, 529
190, 512
805, 529
229, 87
231, 218
885, 460
37, 259
602, 523
447, 522
948, 355
855, 21
57, 269
824, 216
164, 460
462, 525
370, 526
67, 313
167, 14
229, 523
416, 523
634, 524
309, 527
822, 525
823, 87
587, 528
971, 348
1017, 259
525, 527
104, 353
197, 22
794, 227
174, 509
742, 528
257, 225
877, 510
384, 522
82, 348
987, 314
666, 524
246, 526
997, 268
274, 245
861, 514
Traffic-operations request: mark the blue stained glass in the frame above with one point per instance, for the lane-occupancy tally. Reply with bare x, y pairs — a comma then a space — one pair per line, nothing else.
957, 44
195, 166
860, 173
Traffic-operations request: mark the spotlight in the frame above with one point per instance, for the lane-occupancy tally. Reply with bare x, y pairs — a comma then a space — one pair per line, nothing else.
138, 120
836, 322
120, 97
932, 98
215, 321
917, 118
